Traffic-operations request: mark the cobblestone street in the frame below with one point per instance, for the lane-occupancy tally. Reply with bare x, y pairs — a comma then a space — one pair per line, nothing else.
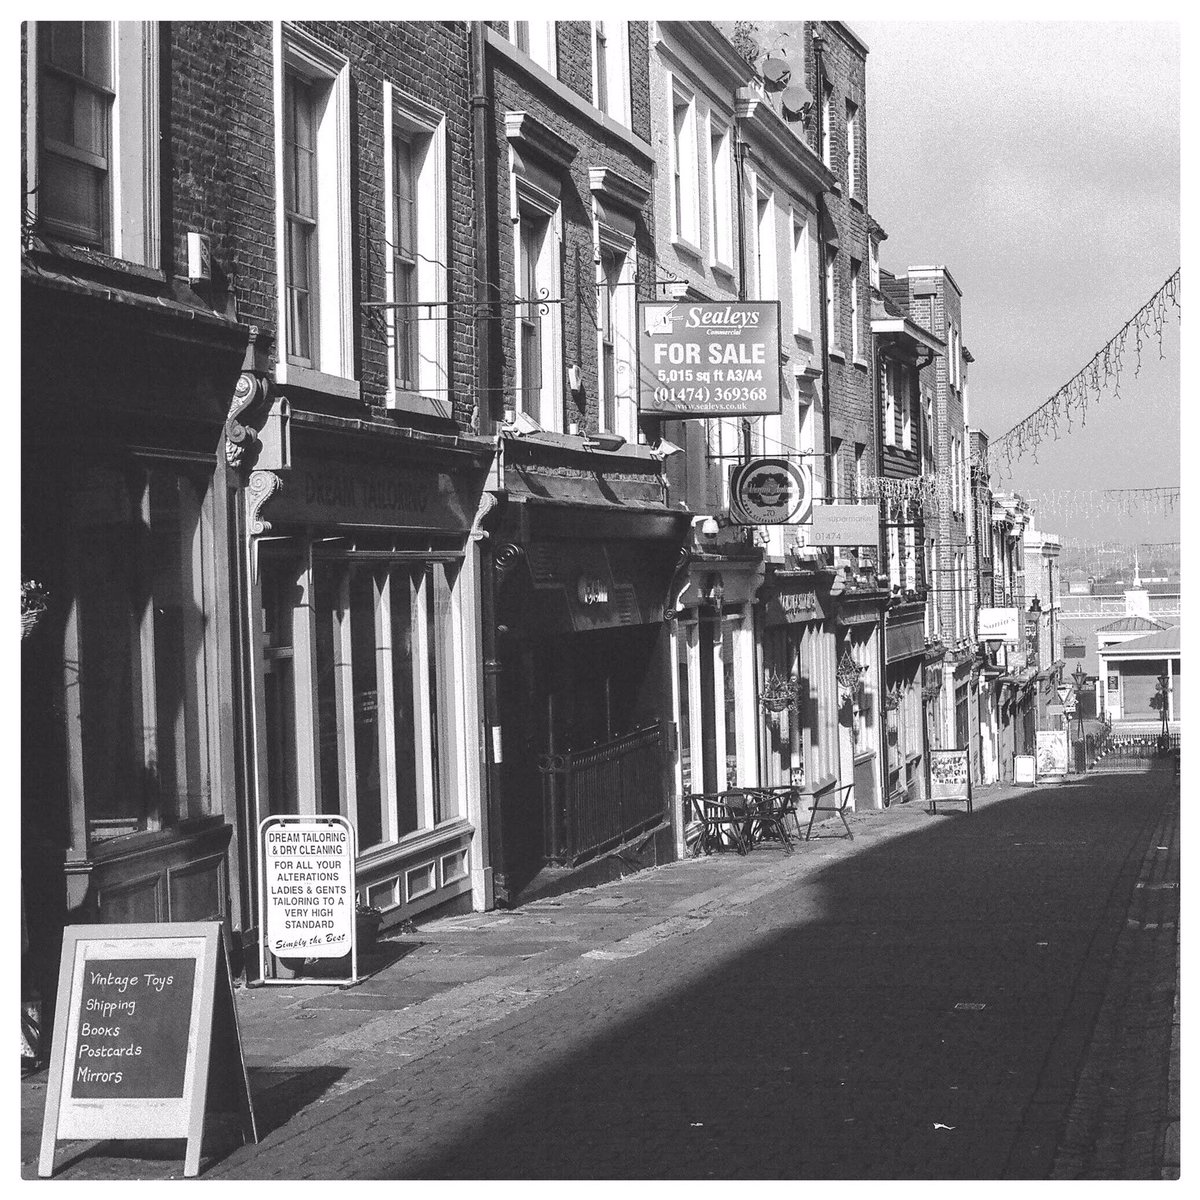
991, 996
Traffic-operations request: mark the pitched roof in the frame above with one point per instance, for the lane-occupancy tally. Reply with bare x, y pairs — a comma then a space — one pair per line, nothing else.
1132, 625
1165, 642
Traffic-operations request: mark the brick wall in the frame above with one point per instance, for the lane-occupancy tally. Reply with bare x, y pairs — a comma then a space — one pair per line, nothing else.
523, 89
851, 383
222, 161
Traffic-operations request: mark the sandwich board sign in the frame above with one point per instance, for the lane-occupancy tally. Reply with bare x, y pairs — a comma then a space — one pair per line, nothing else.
146, 1038
306, 894
950, 776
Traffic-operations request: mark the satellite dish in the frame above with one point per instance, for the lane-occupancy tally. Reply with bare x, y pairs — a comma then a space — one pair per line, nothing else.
776, 71
795, 100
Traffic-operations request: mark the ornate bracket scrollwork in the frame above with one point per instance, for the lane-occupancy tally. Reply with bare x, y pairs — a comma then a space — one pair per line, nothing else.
247, 412
487, 502
262, 486
505, 558
680, 578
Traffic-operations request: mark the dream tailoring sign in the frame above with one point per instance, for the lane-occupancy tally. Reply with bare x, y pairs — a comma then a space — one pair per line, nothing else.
708, 360
307, 893
145, 1038
770, 491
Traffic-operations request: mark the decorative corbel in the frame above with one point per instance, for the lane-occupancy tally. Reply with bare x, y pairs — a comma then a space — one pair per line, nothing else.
251, 401
262, 486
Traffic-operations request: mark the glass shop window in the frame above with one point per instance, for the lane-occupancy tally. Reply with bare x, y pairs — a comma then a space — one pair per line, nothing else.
139, 716
376, 719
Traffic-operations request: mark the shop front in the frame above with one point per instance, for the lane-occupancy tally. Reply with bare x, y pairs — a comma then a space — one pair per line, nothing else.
364, 653
904, 638
860, 676
584, 557
801, 742
128, 785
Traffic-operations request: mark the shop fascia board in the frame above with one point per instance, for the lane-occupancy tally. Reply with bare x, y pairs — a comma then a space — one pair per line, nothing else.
383, 435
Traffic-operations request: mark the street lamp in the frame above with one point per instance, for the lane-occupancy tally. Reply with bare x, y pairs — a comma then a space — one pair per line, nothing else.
1164, 688
1080, 676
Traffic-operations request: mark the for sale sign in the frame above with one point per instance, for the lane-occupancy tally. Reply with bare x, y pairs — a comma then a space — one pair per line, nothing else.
709, 360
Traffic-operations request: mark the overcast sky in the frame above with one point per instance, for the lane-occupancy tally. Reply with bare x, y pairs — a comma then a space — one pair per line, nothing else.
1040, 163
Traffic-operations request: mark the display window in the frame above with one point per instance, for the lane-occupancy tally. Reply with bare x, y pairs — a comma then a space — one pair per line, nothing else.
361, 651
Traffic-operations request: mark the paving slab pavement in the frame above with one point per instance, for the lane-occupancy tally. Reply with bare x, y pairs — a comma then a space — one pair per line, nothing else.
474, 989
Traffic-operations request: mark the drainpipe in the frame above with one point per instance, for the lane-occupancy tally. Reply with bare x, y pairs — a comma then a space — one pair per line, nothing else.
739, 167
488, 409
818, 108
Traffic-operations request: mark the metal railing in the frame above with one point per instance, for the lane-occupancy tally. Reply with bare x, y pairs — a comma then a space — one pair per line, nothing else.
599, 797
1114, 750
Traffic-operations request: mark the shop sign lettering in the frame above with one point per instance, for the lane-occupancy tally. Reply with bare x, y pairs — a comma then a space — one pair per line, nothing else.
308, 886
591, 590
708, 360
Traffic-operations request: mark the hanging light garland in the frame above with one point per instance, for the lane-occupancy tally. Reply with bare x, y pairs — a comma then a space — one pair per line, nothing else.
928, 491
1070, 402
1090, 503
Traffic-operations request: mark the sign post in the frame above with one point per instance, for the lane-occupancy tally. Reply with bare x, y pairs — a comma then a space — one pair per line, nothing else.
140, 1009
306, 893
950, 777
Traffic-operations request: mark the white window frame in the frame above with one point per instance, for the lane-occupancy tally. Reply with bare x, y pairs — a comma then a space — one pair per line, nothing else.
720, 194
684, 188
826, 128
134, 191
889, 402
766, 265
906, 406
851, 147
533, 204
855, 320
624, 336
333, 370
833, 306
404, 114
617, 99
541, 42
801, 274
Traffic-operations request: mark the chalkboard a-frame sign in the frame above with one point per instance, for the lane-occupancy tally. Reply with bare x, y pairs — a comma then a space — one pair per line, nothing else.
145, 1038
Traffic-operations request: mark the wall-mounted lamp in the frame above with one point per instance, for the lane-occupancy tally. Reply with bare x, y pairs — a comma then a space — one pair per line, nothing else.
664, 448
575, 378
707, 525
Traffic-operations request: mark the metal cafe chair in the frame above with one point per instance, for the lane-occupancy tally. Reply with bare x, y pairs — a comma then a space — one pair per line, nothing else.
717, 817
766, 812
831, 800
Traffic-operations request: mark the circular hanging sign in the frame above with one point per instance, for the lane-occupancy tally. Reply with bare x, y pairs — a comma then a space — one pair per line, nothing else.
771, 491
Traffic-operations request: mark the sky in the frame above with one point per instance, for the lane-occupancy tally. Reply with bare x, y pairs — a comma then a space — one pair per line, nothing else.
1040, 163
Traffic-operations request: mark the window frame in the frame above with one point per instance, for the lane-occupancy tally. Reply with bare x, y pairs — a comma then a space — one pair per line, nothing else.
720, 193
856, 338
684, 162
536, 206
333, 371
538, 40
851, 149
407, 118
833, 305
619, 300
801, 274
200, 744
612, 95
134, 187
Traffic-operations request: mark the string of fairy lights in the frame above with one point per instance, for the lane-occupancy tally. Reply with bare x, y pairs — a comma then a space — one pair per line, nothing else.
1056, 416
